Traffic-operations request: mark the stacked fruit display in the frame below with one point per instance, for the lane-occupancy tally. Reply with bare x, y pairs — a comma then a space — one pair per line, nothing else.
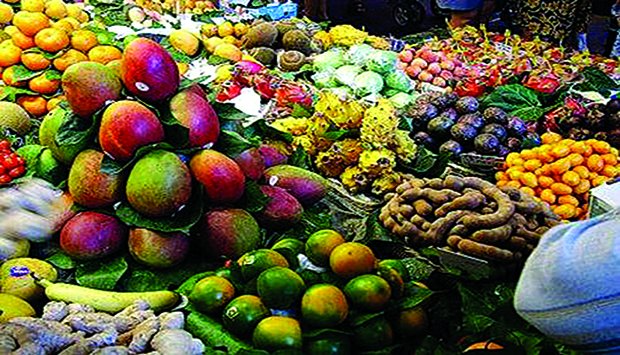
448, 124
561, 172
44, 40
262, 298
469, 215
433, 67
224, 40
364, 162
577, 121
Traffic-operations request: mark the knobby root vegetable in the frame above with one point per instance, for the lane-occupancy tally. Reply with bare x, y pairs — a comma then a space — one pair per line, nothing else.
176, 341
111, 350
55, 311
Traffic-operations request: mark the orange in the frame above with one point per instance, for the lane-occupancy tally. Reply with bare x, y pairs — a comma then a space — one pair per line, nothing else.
571, 178
599, 180
22, 41
35, 105
6, 14
532, 164
529, 179
55, 9
115, 65
500, 175
545, 181
561, 166
54, 101
601, 147
104, 54
583, 187
8, 76
324, 306
548, 196
42, 85
595, 163
565, 211
35, 61
83, 40
545, 170
568, 200
613, 151
51, 40
560, 151
69, 58
67, 24
514, 184
550, 137
579, 148
30, 23
528, 190
609, 171
610, 159
10, 54
576, 159
320, 245
561, 189
368, 292
583, 171
351, 259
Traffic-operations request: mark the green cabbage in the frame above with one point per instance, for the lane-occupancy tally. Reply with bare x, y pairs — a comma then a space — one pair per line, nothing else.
382, 62
346, 74
398, 80
331, 59
325, 79
359, 53
401, 100
368, 83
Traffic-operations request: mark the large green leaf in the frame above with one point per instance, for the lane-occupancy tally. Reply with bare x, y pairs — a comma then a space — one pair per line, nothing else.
182, 221
111, 167
141, 278
232, 143
301, 159
213, 334
76, 131
10, 93
517, 100
101, 274
253, 200
62, 261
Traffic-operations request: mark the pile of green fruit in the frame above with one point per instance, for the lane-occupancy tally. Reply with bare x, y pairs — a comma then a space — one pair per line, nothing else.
324, 296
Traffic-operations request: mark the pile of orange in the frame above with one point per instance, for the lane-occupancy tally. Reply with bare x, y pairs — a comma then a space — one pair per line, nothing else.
45, 38
561, 172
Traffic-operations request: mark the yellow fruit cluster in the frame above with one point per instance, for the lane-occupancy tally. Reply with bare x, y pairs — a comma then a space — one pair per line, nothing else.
45, 37
561, 172
224, 40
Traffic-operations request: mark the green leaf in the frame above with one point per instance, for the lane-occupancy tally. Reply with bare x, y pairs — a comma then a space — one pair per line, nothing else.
53, 75
217, 60
357, 320
261, 130
46, 55
517, 100
414, 297
10, 93
21, 73
336, 135
596, 80
300, 158
417, 269
75, 130
62, 261
527, 114
111, 167
324, 332
228, 112
232, 143
254, 200
101, 274
141, 278
427, 164
188, 285
182, 221
301, 112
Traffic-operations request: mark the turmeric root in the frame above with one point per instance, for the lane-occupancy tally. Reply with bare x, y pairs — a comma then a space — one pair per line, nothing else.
469, 201
493, 236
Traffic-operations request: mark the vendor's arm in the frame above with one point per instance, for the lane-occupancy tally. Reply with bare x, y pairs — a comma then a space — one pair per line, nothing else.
570, 286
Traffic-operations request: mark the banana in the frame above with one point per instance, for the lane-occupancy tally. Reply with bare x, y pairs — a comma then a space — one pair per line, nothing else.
107, 301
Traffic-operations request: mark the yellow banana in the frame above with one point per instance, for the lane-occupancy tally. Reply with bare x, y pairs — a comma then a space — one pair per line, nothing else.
107, 301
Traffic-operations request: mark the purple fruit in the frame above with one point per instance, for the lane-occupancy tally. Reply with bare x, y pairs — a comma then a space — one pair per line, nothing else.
228, 232
307, 187
272, 156
516, 127
156, 249
283, 210
251, 163
92, 235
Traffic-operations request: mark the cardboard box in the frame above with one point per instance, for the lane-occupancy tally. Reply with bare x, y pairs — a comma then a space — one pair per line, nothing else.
604, 198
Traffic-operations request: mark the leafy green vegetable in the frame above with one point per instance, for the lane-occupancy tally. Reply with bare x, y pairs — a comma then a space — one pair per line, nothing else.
232, 143
229, 112
10, 93
427, 164
101, 274
517, 100
182, 221
596, 80
300, 158
254, 200
260, 129
300, 111
62, 261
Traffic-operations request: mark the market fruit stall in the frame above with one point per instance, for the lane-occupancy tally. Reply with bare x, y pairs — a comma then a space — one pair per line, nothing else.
226, 184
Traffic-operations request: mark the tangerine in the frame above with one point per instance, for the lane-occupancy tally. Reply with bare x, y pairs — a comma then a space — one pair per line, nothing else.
212, 293
30, 23
351, 259
368, 292
34, 105
320, 245
104, 54
324, 306
42, 85
83, 40
35, 61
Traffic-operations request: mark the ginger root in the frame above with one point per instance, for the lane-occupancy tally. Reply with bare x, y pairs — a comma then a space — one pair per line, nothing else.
176, 341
